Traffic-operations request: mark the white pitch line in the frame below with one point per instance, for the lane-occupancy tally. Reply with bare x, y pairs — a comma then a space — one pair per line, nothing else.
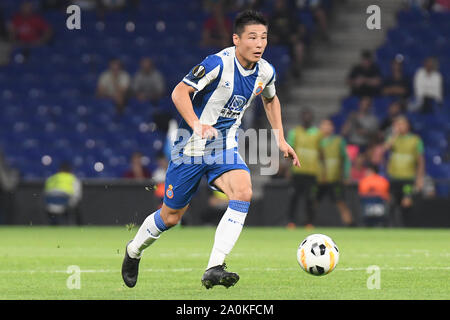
199, 270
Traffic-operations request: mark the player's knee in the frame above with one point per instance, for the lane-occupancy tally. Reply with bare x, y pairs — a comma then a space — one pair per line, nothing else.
243, 194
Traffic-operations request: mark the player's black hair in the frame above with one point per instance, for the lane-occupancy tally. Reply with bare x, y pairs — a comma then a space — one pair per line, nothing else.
248, 17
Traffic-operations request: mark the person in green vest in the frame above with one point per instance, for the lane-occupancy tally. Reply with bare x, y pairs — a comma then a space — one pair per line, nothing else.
63, 193
406, 165
305, 139
334, 170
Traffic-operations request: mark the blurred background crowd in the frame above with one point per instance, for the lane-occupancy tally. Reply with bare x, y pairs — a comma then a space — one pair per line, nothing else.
96, 101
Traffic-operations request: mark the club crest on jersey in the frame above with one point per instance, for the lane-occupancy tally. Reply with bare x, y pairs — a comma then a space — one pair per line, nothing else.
169, 192
198, 71
259, 89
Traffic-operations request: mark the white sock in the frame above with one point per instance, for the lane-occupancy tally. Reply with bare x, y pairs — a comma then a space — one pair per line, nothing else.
147, 234
227, 233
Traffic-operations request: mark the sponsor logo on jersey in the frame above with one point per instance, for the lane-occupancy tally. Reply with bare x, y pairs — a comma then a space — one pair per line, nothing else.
237, 103
234, 108
259, 88
198, 71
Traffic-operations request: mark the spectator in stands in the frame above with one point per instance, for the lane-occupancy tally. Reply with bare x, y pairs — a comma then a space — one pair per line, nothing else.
3, 27
9, 180
373, 191
104, 6
305, 139
406, 166
361, 125
441, 5
373, 184
285, 30
334, 170
5, 44
112, 4
397, 85
137, 169
395, 109
375, 150
319, 13
241, 5
148, 83
365, 78
420, 4
55, 4
159, 175
114, 84
217, 29
428, 85
63, 193
429, 188
359, 168
29, 29
86, 5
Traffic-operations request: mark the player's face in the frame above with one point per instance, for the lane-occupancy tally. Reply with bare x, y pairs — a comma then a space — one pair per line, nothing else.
252, 42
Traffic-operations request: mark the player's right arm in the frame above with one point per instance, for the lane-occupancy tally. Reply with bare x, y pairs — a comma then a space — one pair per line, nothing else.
196, 80
181, 97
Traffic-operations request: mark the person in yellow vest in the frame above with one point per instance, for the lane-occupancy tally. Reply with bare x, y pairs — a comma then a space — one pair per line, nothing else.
334, 169
63, 193
406, 165
305, 139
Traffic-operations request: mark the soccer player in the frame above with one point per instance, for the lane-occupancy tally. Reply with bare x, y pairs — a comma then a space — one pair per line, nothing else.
334, 169
223, 86
305, 138
406, 165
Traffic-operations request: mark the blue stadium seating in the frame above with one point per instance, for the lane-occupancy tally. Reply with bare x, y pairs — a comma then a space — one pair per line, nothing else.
49, 105
416, 36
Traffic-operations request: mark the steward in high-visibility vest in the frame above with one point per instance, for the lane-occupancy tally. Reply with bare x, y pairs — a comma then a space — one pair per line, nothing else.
305, 140
334, 170
62, 193
406, 165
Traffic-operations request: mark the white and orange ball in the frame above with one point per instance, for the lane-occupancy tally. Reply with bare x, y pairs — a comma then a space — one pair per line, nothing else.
318, 254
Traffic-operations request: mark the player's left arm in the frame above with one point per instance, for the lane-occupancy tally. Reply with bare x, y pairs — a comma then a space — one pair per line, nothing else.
272, 107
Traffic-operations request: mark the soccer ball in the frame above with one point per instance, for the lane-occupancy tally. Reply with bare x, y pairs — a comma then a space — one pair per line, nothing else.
318, 254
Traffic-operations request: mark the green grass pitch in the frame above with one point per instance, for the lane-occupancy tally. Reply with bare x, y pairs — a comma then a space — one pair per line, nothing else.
414, 264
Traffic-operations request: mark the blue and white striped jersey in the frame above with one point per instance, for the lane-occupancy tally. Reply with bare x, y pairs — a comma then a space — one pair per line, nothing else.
224, 90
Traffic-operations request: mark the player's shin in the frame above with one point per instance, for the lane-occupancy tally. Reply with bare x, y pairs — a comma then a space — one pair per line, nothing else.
228, 231
148, 233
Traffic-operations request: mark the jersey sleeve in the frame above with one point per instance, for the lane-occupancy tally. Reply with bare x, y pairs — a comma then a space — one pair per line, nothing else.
204, 73
269, 90
291, 138
420, 147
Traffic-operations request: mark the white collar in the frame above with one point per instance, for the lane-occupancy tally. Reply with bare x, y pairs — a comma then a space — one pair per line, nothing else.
242, 70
